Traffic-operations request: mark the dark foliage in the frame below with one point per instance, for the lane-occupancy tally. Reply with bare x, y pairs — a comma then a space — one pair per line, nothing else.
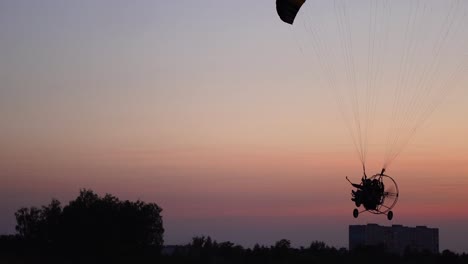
90, 228
205, 250
94, 229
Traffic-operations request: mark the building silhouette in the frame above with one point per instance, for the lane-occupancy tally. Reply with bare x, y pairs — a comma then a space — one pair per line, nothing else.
395, 238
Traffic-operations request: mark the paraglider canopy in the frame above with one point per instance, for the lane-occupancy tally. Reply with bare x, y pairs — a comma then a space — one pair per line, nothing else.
287, 9
388, 64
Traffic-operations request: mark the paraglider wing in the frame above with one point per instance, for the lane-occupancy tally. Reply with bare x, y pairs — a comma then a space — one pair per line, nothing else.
287, 9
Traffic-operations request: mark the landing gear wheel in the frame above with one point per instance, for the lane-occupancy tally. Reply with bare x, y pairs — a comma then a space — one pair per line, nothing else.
355, 213
390, 215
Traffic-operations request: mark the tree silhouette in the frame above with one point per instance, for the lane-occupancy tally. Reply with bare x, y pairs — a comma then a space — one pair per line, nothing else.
28, 222
92, 225
95, 229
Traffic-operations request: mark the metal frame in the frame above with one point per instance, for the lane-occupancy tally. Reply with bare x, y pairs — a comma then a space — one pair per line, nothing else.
382, 208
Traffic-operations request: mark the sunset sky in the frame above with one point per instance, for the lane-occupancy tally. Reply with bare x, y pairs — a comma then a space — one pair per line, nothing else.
216, 111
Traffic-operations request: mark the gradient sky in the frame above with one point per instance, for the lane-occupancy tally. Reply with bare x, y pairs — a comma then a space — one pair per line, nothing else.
210, 109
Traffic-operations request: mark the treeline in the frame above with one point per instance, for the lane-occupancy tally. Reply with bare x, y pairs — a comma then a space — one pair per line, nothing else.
90, 229
14, 249
205, 250
104, 229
